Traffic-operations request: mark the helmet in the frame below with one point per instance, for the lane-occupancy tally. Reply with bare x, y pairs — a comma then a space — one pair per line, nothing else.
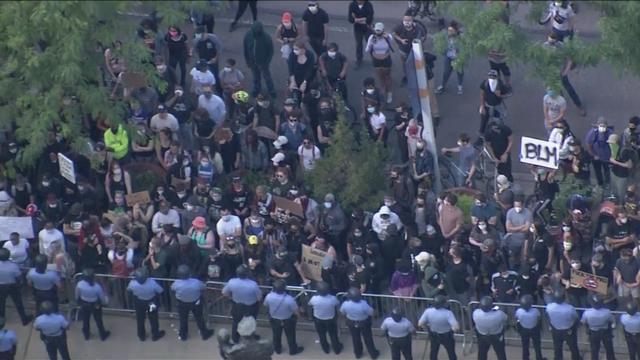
526, 301
279, 286
223, 336
141, 275
596, 301
183, 272
439, 302
354, 294
46, 307
397, 314
88, 275
631, 308
242, 272
4, 254
40, 263
323, 288
558, 295
486, 303
240, 97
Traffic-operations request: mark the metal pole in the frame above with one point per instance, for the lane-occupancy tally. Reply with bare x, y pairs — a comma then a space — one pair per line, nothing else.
428, 133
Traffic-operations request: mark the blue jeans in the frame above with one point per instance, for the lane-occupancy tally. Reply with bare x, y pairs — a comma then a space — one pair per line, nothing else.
448, 69
258, 72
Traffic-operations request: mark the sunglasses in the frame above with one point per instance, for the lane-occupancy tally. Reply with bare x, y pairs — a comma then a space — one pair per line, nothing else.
306, 143
293, 120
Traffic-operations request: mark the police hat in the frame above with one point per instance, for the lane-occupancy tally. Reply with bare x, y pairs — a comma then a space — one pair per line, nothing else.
486, 303
40, 262
88, 274
46, 307
183, 272
397, 314
354, 294
631, 307
558, 295
141, 275
242, 271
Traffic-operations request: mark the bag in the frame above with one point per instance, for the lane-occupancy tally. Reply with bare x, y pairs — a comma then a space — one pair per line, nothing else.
285, 50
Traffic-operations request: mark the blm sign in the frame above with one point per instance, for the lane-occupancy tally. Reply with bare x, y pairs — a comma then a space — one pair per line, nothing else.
539, 152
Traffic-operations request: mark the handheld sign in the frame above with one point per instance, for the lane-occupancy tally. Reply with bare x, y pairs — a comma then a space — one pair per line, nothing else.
588, 281
311, 262
67, 169
539, 152
290, 206
141, 197
22, 225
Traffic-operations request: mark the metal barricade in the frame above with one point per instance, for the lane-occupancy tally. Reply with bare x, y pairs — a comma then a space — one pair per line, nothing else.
511, 334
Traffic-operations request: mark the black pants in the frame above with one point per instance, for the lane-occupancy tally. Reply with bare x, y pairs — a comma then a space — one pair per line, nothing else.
570, 337
86, 310
46, 295
606, 338
316, 45
242, 7
289, 327
633, 345
447, 341
181, 60
184, 308
238, 311
505, 168
603, 171
8, 355
361, 38
12, 290
571, 91
215, 70
487, 341
142, 311
361, 330
401, 346
55, 344
530, 335
328, 326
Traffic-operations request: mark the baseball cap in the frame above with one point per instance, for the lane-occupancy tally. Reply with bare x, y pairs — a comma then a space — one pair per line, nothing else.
281, 140
384, 210
378, 27
492, 73
277, 158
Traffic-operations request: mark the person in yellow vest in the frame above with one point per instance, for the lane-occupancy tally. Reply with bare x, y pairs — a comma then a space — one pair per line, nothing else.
116, 140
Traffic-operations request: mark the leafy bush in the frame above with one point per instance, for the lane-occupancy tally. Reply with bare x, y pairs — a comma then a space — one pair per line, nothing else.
568, 188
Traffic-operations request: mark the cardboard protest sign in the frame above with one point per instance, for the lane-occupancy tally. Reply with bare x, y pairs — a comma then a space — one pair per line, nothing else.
21, 225
113, 216
265, 132
284, 205
539, 152
67, 169
141, 197
311, 262
180, 184
590, 282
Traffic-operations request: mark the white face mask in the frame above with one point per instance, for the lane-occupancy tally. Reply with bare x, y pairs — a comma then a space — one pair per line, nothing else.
161, 68
179, 92
602, 129
185, 162
575, 266
566, 228
518, 209
493, 84
482, 226
226, 218
227, 69
332, 54
532, 229
370, 91
328, 205
313, 9
189, 207
371, 109
557, 3
624, 220
46, 183
287, 25
296, 51
407, 24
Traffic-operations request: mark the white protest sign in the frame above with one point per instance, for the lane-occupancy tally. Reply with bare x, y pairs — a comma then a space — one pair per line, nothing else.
21, 225
312, 262
66, 168
539, 152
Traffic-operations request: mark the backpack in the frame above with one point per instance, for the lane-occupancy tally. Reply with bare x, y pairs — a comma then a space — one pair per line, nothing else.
388, 43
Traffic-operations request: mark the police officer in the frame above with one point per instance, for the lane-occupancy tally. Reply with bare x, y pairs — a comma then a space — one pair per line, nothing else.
8, 342
283, 312
188, 292
564, 323
44, 282
398, 330
324, 307
10, 286
490, 324
528, 323
90, 296
631, 325
245, 295
599, 321
359, 314
146, 292
441, 324
53, 331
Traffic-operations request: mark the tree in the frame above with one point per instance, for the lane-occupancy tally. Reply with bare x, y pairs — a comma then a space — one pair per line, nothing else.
352, 168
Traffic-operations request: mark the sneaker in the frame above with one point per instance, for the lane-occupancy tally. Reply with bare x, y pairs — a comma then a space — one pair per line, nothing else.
339, 349
142, 338
298, 350
182, 338
233, 26
207, 335
389, 98
440, 89
459, 90
158, 336
375, 355
105, 335
277, 351
27, 320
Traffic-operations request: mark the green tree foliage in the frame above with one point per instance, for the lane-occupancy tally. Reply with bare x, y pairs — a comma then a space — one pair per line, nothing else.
352, 168
620, 29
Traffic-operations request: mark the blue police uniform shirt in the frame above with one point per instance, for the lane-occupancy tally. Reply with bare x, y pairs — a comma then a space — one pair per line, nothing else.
9, 273
281, 306
51, 325
90, 293
188, 290
324, 307
242, 291
145, 291
597, 319
489, 322
8, 340
439, 321
398, 329
631, 323
528, 319
43, 281
561, 316
356, 311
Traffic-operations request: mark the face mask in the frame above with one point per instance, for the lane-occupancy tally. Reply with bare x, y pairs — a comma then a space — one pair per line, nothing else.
313, 9
407, 24
182, 194
573, 149
185, 162
370, 91
388, 203
117, 171
602, 129
46, 183
532, 229
328, 205
558, 3
575, 266
378, 33
420, 146
226, 69
493, 83
358, 234
161, 68
264, 104
189, 207
459, 143
479, 203
81, 188
551, 93
566, 228
518, 209
226, 218
567, 245
55, 205
482, 226
287, 25
216, 197
331, 54
296, 51
623, 220
371, 110
526, 277
179, 92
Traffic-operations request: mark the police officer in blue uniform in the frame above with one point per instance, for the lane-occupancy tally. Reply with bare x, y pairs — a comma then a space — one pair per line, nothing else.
146, 299
563, 319
631, 325
188, 292
53, 331
441, 324
283, 312
245, 295
8, 342
359, 314
398, 330
90, 297
325, 318
44, 282
528, 324
10, 286
599, 321
490, 326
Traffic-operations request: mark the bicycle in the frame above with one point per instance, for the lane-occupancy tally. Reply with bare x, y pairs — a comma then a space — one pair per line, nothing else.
424, 9
484, 162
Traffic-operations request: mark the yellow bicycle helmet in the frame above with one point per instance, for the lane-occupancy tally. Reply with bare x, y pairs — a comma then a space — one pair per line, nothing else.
240, 97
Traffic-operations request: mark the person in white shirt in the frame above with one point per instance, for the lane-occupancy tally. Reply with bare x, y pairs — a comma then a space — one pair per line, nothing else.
201, 77
48, 236
163, 119
377, 122
214, 105
164, 216
562, 19
228, 225
308, 153
18, 248
382, 219
554, 107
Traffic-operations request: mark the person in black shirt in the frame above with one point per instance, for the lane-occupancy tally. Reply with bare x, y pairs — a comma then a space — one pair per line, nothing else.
361, 16
242, 7
404, 34
358, 275
315, 22
176, 42
285, 267
301, 69
503, 284
492, 91
207, 47
357, 242
498, 141
620, 234
375, 265
622, 163
168, 75
333, 67
580, 163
